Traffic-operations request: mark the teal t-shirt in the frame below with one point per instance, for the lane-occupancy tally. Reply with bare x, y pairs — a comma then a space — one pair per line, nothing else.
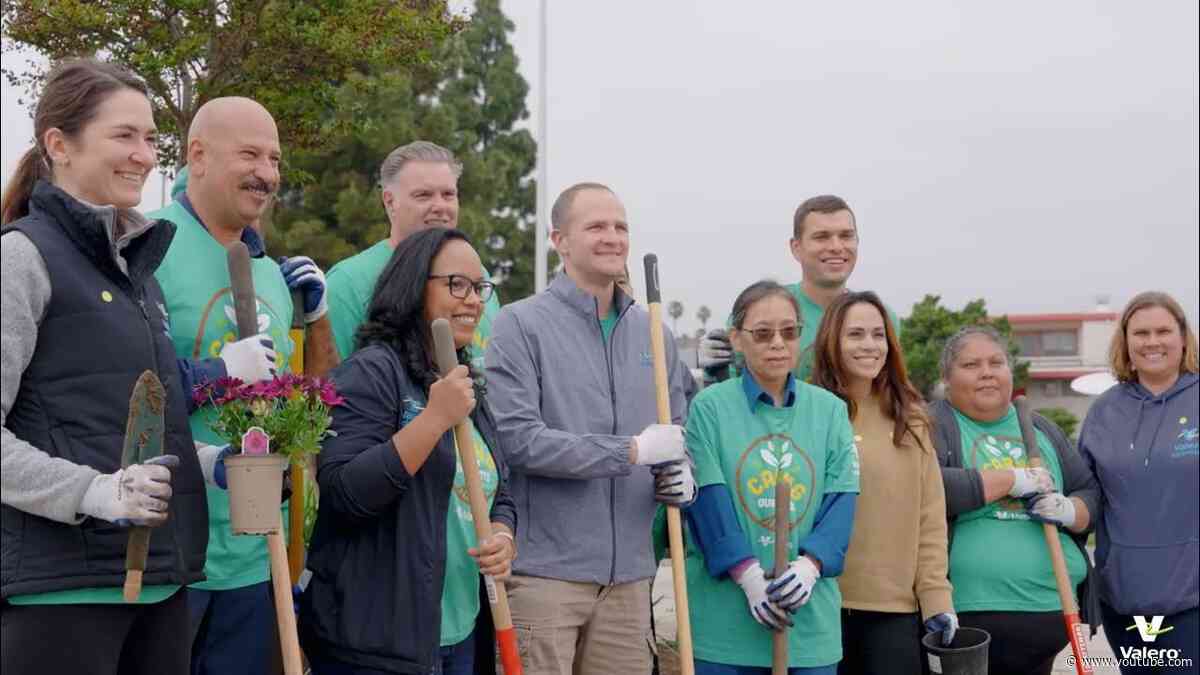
194, 277
460, 591
608, 323
350, 285
112, 595
809, 444
811, 315
998, 556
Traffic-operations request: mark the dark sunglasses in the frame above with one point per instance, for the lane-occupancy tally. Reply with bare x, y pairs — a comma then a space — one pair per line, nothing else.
461, 286
763, 336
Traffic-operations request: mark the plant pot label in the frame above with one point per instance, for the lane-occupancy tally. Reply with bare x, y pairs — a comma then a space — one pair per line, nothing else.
256, 442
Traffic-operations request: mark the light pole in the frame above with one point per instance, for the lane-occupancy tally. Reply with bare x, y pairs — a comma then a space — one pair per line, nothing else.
542, 227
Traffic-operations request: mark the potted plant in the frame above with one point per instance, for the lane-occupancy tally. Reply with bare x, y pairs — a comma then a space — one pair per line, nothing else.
267, 425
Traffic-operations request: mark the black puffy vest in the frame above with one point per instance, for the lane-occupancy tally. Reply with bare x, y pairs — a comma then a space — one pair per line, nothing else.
101, 330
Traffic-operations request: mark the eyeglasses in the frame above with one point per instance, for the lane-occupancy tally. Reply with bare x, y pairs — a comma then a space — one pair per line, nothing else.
461, 286
763, 336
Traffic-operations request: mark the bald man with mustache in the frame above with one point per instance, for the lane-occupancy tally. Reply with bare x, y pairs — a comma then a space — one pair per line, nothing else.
233, 159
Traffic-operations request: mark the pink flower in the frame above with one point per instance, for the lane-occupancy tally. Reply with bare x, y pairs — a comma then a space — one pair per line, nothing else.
329, 395
256, 442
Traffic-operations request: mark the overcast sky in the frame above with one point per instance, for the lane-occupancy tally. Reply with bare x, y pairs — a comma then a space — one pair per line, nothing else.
1035, 154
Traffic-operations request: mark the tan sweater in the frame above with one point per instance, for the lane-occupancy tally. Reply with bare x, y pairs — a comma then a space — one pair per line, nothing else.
897, 557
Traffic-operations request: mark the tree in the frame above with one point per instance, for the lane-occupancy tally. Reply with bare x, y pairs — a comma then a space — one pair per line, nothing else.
290, 55
704, 314
930, 325
471, 104
675, 310
1065, 419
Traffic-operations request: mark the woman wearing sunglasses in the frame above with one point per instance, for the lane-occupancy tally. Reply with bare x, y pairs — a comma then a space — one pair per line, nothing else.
395, 563
896, 565
746, 434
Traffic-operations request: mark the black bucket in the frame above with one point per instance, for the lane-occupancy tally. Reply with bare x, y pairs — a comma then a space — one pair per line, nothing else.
966, 655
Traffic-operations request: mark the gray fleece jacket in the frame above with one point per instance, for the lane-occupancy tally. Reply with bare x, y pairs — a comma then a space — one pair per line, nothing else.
566, 403
30, 479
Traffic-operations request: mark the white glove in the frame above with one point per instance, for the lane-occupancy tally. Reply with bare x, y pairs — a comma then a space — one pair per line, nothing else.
1054, 508
792, 589
302, 274
251, 359
754, 584
136, 495
674, 483
660, 443
1027, 482
715, 350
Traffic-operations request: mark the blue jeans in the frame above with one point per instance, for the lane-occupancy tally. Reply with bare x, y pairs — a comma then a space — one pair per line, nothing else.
710, 668
456, 659
231, 630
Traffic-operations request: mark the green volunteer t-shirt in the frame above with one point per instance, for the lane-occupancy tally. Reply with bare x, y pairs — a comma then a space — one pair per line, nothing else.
350, 285
809, 444
194, 277
460, 591
998, 557
810, 317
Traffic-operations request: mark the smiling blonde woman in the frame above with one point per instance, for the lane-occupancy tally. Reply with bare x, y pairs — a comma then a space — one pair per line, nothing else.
1141, 440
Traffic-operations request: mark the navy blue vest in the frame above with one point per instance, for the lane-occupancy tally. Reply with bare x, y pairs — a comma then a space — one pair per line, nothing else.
101, 330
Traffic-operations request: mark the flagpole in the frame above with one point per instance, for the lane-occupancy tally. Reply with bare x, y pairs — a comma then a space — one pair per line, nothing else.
542, 227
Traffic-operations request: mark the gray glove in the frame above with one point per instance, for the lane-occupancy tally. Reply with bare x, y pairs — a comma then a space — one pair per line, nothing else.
674, 483
1032, 481
136, 495
716, 353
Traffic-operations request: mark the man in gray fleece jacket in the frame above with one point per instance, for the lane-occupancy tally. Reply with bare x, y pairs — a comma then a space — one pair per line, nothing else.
571, 384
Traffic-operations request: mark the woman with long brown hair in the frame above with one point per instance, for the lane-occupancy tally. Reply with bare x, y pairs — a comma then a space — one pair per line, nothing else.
896, 563
83, 320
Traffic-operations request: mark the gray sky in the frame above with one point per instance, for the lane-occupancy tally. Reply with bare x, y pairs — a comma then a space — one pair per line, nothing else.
1035, 154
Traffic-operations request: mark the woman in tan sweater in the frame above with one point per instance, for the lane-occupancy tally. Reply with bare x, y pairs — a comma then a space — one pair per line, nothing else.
895, 572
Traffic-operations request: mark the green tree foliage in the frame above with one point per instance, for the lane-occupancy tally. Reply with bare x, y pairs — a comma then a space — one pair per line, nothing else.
674, 310
930, 325
290, 55
703, 315
1065, 419
472, 105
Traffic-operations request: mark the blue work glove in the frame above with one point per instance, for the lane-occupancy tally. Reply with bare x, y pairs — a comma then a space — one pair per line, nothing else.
302, 274
754, 584
792, 589
946, 623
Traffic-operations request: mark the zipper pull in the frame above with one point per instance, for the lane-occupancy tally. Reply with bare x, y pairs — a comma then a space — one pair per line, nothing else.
145, 312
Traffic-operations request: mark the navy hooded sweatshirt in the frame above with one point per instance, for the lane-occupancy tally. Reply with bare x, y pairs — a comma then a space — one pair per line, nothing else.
1145, 452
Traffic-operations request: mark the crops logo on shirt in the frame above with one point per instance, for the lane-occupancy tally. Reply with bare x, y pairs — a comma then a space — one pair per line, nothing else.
767, 460
225, 324
998, 451
487, 475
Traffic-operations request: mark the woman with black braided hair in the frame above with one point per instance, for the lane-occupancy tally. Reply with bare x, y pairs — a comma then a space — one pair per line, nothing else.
395, 563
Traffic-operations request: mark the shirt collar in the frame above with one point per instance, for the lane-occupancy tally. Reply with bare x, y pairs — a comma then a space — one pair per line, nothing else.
565, 288
250, 238
756, 394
